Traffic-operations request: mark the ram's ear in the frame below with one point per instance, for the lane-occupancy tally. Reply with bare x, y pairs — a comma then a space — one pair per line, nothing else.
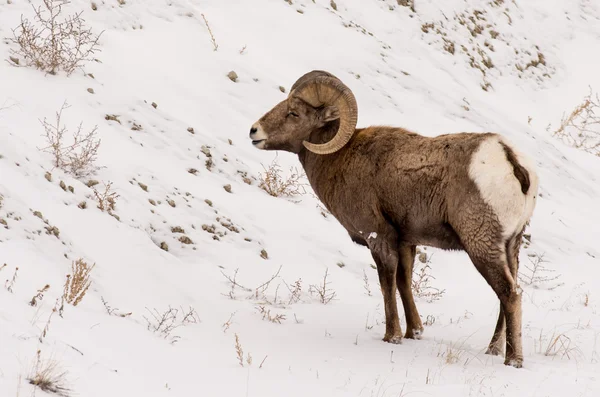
329, 113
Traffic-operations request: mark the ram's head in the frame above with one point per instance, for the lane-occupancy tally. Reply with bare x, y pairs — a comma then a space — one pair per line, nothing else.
316, 99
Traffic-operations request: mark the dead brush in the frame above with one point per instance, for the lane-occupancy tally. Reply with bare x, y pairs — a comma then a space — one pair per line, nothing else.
113, 311
50, 42
276, 185
421, 282
78, 156
322, 290
581, 128
39, 295
77, 283
266, 315
536, 274
106, 199
10, 283
164, 323
49, 377
212, 36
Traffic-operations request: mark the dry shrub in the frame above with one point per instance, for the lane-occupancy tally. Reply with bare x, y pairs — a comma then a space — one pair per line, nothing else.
77, 283
581, 128
537, 275
77, 156
10, 283
277, 186
166, 322
49, 377
113, 311
106, 199
51, 42
266, 315
212, 36
421, 282
323, 291
39, 295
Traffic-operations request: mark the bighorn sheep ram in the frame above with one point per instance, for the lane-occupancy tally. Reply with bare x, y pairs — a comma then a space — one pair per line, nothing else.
394, 189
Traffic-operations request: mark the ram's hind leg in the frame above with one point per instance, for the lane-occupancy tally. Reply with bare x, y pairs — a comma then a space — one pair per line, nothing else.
414, 326
497, 273
386, 259
496, 347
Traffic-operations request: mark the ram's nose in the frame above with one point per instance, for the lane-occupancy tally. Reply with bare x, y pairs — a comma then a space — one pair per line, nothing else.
253, 131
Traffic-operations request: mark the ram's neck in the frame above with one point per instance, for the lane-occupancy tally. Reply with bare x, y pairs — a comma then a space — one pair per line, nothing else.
320, 169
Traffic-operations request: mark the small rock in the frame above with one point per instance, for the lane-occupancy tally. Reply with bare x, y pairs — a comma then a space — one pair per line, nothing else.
232, 76
191, 130
207, 201
63, 186
192, 171
186, 240
71, 189
143, 186
164, 246
90, 90
15, 60
264, 254
92, 182
177, 229
227, 188
152, 201
206, 151
48, 176
82, 205
333, 5
171, 202
154, 105
282, 88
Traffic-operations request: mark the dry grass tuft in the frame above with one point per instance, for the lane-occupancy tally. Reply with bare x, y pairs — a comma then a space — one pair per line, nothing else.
581, 128
76, 157
558, 345
51, 43
274, 184
77, 283
49, 377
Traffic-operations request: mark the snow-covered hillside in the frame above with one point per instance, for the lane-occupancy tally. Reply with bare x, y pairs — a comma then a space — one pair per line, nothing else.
190, 216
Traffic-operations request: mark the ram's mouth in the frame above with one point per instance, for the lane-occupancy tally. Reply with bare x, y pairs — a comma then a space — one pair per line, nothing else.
257, 141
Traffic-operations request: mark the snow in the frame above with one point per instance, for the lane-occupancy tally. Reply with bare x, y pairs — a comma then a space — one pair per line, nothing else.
161, 51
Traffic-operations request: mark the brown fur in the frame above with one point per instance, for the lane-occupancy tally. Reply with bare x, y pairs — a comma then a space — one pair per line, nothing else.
410, 190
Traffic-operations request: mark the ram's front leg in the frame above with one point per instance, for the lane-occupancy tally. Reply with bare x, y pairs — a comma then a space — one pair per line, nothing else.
386, 259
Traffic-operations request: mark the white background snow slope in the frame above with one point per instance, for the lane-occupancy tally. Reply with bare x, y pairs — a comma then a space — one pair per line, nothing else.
402, 73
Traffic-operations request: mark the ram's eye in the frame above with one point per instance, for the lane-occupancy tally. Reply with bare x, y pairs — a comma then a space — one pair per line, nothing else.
293, 114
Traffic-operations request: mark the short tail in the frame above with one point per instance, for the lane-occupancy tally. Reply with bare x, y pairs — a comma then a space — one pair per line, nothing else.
520, 172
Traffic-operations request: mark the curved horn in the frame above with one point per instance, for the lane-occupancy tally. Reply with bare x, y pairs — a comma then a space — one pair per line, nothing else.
319, 88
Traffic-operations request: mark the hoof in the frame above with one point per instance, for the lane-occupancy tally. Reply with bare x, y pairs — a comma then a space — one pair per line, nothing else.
494, 350
414, 334
395, 339
514, 362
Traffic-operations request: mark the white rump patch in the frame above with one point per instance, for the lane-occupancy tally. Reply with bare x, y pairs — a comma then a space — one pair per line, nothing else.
500, 189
